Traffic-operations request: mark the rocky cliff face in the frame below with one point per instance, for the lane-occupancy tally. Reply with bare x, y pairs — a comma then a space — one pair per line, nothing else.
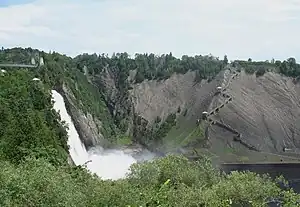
161, 98
259, 122
265, 111
179, 95
87, 126
117, 100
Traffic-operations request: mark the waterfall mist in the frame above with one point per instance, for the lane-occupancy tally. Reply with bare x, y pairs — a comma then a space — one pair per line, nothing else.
107, 164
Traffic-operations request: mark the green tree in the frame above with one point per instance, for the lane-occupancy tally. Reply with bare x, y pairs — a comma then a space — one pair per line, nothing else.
260, 72
225, 61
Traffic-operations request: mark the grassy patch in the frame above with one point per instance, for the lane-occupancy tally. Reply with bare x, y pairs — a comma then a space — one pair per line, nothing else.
183, 133
197, 133
244, 159
123, 141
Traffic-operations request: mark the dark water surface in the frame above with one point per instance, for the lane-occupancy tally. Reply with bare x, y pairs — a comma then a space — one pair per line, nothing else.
290, 171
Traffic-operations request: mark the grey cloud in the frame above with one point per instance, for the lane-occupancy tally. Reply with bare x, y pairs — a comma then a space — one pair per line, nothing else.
261, 29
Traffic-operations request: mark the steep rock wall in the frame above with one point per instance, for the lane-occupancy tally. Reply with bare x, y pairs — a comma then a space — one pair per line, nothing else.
265, 110
87, 126
161, 98
117, 101
153, 99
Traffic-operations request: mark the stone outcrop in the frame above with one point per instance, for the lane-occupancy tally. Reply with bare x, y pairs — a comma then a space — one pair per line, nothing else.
161, 98
117, 100
87, 126
265, 110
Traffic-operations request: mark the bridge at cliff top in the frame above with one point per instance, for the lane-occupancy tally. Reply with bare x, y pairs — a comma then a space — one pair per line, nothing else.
18, 65
32, 65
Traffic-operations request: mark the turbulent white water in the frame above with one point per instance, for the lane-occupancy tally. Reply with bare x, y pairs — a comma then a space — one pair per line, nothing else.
112, 164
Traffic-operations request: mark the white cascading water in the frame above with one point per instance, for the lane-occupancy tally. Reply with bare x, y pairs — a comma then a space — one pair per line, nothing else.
110, 164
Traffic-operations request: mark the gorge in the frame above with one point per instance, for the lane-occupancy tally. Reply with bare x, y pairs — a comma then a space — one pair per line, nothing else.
111, 113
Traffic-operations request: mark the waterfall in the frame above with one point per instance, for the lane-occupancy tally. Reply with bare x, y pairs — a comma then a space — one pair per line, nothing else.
107, 164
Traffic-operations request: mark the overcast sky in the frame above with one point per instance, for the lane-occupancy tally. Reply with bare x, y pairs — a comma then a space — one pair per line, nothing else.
260, 29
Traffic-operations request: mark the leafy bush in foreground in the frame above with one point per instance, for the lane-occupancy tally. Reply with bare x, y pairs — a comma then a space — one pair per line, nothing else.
170, 181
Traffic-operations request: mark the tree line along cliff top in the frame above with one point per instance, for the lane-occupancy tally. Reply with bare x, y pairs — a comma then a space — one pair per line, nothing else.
150, 66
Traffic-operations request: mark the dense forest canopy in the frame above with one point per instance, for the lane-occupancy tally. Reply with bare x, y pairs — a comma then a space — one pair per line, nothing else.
287, 67
29, 125
151, 66
33, 145
147, 66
